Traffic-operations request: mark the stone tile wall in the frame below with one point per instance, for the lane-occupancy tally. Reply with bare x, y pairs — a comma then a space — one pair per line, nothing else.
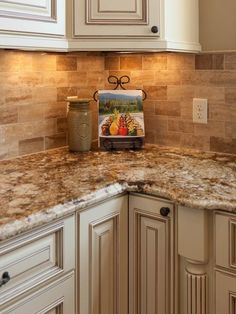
34, 85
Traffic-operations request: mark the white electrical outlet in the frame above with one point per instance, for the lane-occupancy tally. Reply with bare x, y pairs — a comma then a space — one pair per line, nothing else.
200, 110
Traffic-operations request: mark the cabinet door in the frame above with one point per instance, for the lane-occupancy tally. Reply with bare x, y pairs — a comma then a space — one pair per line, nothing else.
150, 256
111, 18
56, 298
225, 298
103, 258
33, 16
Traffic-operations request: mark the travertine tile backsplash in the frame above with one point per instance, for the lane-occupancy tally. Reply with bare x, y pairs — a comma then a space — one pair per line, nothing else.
34, 86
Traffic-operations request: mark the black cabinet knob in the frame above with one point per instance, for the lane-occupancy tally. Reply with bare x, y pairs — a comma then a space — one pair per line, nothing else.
5, 278
164, 211
154, 29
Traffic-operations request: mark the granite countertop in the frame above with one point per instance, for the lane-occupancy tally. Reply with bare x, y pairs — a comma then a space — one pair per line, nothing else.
42, 187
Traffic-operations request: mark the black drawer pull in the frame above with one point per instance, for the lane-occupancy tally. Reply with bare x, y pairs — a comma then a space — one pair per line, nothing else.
5, 278
164, 211
154, 29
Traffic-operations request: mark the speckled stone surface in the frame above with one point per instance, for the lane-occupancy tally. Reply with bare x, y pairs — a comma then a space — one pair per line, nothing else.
42, 187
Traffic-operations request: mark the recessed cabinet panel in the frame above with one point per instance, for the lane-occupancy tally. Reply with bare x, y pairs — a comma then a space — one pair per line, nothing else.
41, 9
103, 258
27, 16
125, 18
116, 12
225, 240
150, 256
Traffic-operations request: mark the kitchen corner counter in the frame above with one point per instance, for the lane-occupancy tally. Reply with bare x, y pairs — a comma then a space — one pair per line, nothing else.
42, 187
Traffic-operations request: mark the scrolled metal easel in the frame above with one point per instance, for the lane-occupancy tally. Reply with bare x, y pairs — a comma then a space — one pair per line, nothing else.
119, 82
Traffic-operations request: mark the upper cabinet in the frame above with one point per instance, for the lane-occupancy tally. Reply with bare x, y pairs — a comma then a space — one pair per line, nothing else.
32, 24
131, 25
104, 25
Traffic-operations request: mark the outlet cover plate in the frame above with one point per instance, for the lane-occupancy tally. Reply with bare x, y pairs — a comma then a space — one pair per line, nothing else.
200, 110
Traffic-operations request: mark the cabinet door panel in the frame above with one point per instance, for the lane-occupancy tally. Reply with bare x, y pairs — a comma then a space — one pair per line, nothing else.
103, 258
152, 269
125, 18
150, 257
28, 16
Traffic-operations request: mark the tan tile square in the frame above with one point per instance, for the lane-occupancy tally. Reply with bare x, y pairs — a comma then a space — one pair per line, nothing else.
218, 144
90, 63
180, 61
66, 63
219, 111
54, 141
155, 61
131, 62
230, 61
43, 62
196, 142
212, 128
55, 110
32, 145
44, 94
29, 113
230, 95
112, 63
8, 114
140, 78
180, 93
168, 108
18, 96
156, 92
210, 92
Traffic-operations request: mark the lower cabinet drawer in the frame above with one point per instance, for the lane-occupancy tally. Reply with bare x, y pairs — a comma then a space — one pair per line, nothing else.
56, 298
36, 256
225, 297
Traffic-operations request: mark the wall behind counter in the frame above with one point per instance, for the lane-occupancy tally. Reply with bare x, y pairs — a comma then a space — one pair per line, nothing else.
34, 85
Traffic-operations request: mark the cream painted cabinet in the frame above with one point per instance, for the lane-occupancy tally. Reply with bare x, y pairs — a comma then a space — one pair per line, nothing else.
39, 260
32, 24
151, 258
101, 25
132, 25
56, 298
103, 258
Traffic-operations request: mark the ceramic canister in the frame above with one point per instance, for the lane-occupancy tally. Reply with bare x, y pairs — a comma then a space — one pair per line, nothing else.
79, 119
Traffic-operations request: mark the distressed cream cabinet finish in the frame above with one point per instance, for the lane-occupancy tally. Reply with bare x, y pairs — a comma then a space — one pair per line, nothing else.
151, 258
32, 23
56, 298
110, 25
103, 258
34, 260
128, 25
104, 250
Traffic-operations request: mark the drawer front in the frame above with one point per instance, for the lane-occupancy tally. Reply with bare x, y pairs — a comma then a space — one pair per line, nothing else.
36, 257
225, 298
56, 298
225, 241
